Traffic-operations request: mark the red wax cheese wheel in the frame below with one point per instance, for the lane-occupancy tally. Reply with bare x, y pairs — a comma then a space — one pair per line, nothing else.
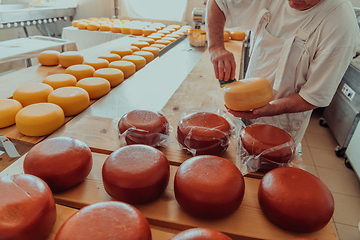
136, 174
106, 220
270, 142
200, 234
144, 127
209, 187
62, 162
27, 208
204, 133
295, 200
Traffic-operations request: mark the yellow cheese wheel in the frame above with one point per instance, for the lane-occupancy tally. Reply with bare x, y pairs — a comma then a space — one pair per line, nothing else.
105, 19
226, 36
75, 23
93, 26
105, 27
157, 45
67, 59
164, 42
171, 39
153, 50
136, 31
128, 68
80, 71
110, 57
238, 35
139, 61
82, 25
134, 48
95, 86
176, 27
155, 37
161, 25
97, 63
148, 31
148, 40
122, 51
113, 75
60, 80
174, 35
126, 30
171, 30
72, 100
116, 29
179, 33
94, 19
39, 119
140, 44
146, 54
32, 93
49, 58
164, 31
8, 110
248, 94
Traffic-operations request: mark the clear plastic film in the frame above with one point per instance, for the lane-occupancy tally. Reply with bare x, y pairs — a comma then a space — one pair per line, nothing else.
143, 127
204, 130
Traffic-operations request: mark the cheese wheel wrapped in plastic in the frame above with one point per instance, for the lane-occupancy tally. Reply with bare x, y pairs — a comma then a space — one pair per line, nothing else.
200, 234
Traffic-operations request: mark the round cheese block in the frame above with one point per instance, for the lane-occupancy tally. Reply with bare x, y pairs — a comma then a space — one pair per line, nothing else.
248, 94
67, 59
144, 127
39, 119
82, 25
80, 71
95, 86
155, 37
8, 110
128, 68
200, 234
60, 80
116, 29
295, 200
238, 35
134, 48
105, 27
164, 31
93, 26
158, 24
140, 44
204, 133
49, 58
27, 208
138, 31
176, 34
105, 19
32, 93
169, 29
271, 144
153, 50
97, 63
110, 57
171, 39
159, 46
136, 174
146, 54
62, 162
113, 75
122, 51
209, 187
106, 220
164, 42
174, 26
72, 100
139, 61
126, 30
148, 31
75, 23
148, 40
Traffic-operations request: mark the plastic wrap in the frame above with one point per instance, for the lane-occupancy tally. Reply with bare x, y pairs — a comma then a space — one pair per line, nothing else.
202, 132
143, 127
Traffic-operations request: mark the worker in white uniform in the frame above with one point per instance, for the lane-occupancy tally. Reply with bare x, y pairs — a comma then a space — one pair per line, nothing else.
303, 47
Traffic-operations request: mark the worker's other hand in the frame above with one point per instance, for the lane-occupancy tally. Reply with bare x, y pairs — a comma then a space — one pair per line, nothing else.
264, 111
223, 62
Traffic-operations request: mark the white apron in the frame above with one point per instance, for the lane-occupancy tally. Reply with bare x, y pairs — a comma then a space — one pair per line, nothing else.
285, 54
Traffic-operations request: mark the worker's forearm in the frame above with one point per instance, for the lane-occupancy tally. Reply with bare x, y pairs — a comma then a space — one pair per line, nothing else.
215, 22
291, 104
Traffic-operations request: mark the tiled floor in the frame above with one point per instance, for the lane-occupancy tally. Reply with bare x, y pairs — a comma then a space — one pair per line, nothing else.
318, 148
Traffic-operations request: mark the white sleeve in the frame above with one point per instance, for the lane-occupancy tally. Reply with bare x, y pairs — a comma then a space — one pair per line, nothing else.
241, 13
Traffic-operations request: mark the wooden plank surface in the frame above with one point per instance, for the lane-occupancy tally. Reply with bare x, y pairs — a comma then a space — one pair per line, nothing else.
248, 222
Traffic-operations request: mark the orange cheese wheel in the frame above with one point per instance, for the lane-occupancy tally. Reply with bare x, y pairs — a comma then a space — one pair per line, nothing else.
174, 35
96, 87
49, 58
32, 93
93, 26
164, 42
113, 75
164, 31
126, 30
174, 26
82, 25
200, 234
39, 119
169, 29
159, 46
67, 59
60, 80
128, 178
72, 100
62, 162
128, 68
140, 44
8, 110
134, 48
105, 28
148, 40
153, 50
110, 57
205, 195
75, 23
295, 200
146, 54
27, 208
80, 71
122, 51
204, 133
136, 31
139, 61
248, 94
97, 63
120, 221
148, 31
171, 39
238, 35
116, 29
155, 37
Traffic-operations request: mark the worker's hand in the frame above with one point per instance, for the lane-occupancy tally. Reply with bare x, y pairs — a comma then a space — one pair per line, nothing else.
265, 111
223, 62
